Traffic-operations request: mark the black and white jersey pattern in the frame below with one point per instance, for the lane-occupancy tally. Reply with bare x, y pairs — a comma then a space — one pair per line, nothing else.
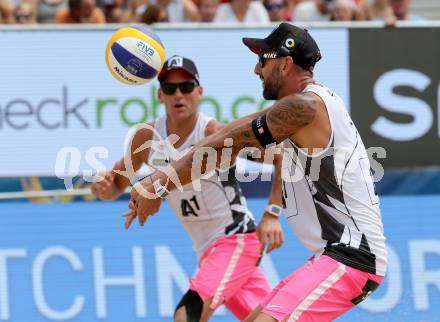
329, 195
216, 208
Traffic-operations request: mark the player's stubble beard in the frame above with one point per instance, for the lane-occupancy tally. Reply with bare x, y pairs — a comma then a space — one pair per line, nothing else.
272, 85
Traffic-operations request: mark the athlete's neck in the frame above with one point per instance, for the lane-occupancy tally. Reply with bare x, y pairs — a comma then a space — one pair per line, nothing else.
296, 86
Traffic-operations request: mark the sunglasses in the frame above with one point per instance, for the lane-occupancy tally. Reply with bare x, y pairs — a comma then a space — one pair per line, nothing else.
184, 87
262, 58
272, 6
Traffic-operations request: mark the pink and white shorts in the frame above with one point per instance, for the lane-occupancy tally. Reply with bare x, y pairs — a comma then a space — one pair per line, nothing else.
319, 291
228, 275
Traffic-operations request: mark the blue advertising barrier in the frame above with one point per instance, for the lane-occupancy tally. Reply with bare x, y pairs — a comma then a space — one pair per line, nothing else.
75, 262
420, 181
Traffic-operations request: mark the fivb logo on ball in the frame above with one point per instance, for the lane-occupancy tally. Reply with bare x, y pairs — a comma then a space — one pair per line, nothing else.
146, 49
134, 55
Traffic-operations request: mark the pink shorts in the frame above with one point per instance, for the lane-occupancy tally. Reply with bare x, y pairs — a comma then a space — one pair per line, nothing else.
321, 290
228, 275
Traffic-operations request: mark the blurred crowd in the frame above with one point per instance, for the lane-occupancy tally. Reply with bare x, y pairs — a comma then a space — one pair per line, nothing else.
218, 11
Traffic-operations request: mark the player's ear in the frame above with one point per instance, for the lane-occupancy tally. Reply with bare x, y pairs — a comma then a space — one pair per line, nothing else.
200, 89
289, 62
287, 65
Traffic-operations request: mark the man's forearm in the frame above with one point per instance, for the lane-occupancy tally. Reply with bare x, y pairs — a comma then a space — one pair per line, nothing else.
119, 182
284, 118
277, 191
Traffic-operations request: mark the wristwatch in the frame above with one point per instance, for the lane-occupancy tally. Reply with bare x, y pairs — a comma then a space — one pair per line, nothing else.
159, 189
274, 210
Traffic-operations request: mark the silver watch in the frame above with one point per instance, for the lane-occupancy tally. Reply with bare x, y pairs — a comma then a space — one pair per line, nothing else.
274, 210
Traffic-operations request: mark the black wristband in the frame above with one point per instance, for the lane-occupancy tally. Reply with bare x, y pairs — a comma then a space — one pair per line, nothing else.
261, 131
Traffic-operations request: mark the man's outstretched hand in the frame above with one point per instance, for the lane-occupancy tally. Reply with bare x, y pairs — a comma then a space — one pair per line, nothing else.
143, 203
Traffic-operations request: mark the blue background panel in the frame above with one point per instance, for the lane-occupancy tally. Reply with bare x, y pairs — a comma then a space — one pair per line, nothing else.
76, 262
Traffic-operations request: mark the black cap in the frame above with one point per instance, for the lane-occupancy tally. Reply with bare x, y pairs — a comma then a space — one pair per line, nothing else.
288, 40
179, 62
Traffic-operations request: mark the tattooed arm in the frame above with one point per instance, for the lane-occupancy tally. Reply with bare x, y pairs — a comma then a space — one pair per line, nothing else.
284, 119
291, 114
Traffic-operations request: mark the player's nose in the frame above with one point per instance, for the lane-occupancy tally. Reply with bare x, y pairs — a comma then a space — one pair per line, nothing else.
178, 93
257, 69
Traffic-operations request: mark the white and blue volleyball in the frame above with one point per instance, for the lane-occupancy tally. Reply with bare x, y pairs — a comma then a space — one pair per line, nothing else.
134, 55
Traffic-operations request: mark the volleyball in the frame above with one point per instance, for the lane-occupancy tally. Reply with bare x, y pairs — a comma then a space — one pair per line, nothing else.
134, 55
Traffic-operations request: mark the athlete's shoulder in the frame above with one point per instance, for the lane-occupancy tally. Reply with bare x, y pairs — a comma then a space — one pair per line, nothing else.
213, 126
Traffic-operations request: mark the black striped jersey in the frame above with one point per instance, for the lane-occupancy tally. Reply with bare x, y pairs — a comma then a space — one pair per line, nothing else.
215, 210
329, 195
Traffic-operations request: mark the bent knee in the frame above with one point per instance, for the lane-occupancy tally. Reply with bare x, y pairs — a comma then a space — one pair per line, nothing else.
190, 308
180, 315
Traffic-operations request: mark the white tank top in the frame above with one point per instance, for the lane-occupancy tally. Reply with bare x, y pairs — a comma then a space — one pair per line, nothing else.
330, 200
218, 209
